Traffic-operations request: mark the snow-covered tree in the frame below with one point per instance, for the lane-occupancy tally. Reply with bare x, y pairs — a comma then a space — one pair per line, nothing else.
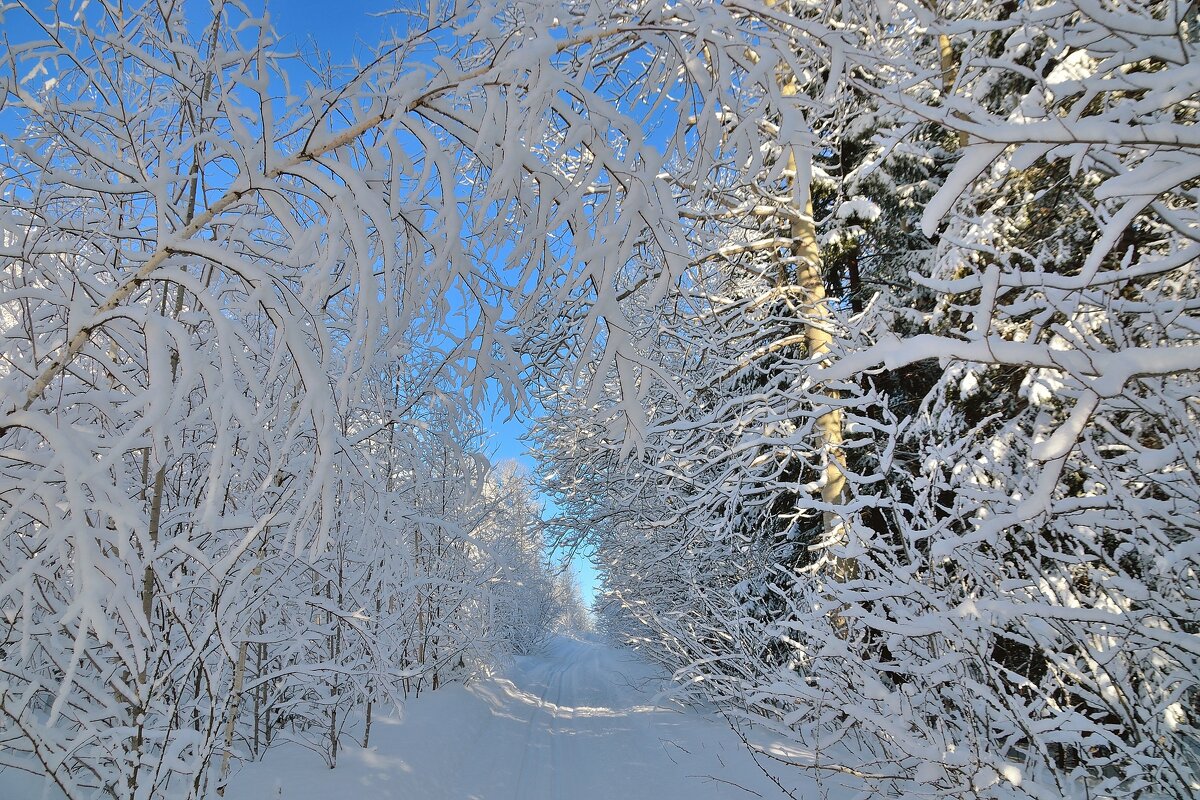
206, 266
1015, 417
864, 335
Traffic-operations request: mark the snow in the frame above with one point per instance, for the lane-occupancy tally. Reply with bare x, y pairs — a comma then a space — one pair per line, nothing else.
859, 207
583, 720
267, 487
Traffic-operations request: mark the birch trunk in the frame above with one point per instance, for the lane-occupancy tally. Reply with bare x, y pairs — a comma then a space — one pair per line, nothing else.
239, 677
949, 67
808, 278
805, 254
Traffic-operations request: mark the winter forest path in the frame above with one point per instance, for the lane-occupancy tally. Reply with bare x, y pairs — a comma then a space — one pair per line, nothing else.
580, 721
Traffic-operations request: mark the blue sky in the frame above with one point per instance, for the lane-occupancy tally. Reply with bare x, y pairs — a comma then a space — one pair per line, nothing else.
342, 34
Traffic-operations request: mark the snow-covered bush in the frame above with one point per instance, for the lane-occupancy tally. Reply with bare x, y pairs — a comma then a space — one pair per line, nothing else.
993, 603
244, 325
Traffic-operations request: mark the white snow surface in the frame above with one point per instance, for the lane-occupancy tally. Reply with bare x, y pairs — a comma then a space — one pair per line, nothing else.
580, 721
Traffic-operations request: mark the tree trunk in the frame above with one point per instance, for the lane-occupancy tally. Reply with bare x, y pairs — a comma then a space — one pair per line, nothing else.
239, 676
805, 253
949, 67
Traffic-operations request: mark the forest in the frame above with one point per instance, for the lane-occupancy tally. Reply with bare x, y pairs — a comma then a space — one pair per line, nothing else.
859, 340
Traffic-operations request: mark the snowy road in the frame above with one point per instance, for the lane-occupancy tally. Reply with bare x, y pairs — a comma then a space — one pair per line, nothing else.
579, 722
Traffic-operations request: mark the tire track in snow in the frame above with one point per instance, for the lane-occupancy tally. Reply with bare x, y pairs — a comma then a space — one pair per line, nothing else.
554, 685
